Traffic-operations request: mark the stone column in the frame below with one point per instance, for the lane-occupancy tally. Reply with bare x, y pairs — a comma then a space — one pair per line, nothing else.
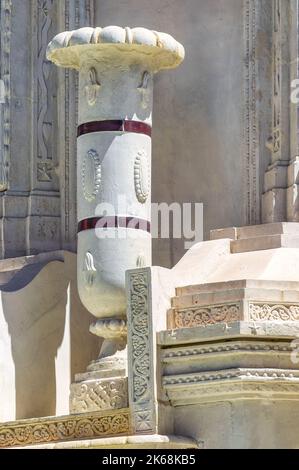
116, 67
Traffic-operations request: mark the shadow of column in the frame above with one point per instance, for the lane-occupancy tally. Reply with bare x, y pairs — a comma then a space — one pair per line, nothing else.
35, 316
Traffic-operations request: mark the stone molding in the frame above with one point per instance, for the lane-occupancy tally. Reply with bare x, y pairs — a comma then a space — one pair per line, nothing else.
252, 388
6, 7
242, 374
74, 14
95, 395
47, 430
251, 138
191, 352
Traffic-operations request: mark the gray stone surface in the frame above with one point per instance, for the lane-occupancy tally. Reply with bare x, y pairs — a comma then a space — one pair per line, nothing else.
37, 116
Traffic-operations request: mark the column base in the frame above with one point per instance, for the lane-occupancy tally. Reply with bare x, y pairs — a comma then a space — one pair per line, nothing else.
104, 386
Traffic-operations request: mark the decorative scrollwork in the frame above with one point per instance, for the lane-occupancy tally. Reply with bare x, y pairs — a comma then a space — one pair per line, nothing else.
266, 312
83, 426
91, 173
206, 315
142, 176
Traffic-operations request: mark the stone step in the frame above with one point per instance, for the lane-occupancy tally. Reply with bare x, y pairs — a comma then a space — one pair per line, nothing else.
237, 284
268, 242
253, 231
235, 295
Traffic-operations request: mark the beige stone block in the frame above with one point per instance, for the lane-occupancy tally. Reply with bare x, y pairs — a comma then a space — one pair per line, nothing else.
292, 203
265, 243
237, 284
274, 205
230, 232
293, 172
276, 177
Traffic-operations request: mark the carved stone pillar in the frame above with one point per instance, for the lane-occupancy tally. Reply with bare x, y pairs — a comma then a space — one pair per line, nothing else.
116, 68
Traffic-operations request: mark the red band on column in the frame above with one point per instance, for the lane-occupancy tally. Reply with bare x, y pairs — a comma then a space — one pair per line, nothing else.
114, 221
115, 126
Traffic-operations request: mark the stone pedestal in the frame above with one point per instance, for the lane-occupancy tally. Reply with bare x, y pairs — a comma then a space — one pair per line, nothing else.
116, 68
224, 365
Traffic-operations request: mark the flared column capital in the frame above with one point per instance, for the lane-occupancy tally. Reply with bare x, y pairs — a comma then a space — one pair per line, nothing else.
113, 44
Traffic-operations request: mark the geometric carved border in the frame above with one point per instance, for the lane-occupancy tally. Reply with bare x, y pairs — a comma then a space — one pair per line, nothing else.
140, 352
82, 426
96, 395
250, 115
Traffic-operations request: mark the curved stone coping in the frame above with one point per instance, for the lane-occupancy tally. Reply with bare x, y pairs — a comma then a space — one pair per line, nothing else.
154, 441
17, 273
160, 50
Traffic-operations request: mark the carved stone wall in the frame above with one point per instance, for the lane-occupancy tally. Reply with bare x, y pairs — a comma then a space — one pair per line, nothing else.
38, 159
280, 198
220, 98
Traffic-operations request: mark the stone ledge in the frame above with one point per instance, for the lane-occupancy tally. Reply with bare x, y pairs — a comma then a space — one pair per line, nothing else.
154, 441
235, 330
266, 236
242, 388
229, 355
253, 231
54, 429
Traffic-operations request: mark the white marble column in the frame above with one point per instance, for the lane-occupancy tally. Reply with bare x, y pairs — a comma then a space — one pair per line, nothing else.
116, 67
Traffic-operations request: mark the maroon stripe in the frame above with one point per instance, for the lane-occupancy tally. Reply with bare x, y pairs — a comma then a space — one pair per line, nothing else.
117, 125
114, 221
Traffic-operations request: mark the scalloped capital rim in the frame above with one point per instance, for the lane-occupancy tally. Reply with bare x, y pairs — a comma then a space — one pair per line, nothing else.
72, 48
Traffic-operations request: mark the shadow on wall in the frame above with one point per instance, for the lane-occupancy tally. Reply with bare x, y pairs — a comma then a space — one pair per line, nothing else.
45, 340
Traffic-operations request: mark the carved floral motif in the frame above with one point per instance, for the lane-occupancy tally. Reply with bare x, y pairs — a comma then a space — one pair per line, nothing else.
140, 351
206, 315
266, 312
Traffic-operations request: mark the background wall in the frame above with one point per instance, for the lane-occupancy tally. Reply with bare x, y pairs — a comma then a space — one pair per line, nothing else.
202, 125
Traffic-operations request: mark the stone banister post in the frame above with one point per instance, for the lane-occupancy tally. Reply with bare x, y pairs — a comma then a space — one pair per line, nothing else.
116, 67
